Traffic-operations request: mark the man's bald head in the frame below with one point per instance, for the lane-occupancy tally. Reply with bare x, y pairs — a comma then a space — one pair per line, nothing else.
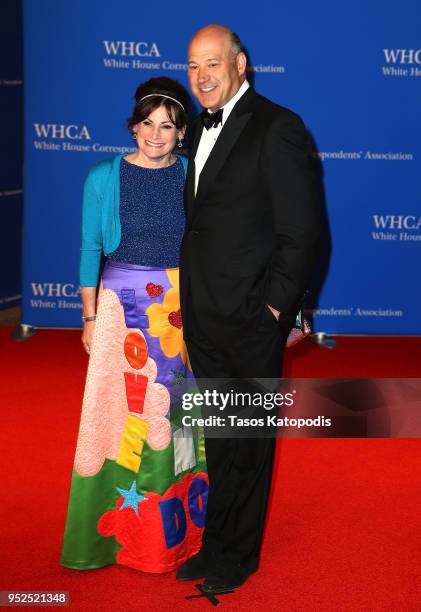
217, 65
229, 35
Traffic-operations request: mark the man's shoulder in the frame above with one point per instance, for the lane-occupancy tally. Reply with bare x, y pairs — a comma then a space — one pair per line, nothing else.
270, 111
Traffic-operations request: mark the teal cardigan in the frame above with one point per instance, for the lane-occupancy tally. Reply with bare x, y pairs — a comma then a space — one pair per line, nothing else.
101, 229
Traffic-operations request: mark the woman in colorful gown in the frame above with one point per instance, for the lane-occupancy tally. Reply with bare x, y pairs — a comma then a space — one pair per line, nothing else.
139, 484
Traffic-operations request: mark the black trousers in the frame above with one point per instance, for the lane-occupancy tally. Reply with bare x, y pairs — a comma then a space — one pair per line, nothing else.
239, 469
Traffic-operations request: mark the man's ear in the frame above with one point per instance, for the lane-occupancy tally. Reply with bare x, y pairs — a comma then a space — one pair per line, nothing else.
241, 62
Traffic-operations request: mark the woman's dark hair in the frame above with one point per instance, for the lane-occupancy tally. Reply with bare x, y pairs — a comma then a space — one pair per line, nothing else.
164, 86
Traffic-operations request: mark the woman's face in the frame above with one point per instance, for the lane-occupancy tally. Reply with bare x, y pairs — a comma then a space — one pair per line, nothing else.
156, 135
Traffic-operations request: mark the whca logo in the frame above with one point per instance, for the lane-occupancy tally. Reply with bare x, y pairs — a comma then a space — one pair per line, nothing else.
402, 56
55, 290
397, 222
62, 131
126, 48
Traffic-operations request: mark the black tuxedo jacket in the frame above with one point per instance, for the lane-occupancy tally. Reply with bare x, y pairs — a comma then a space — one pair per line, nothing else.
253, 227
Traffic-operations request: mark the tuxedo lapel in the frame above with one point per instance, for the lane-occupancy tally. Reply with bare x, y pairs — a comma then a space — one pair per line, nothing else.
237, 120
198, 129
190, 179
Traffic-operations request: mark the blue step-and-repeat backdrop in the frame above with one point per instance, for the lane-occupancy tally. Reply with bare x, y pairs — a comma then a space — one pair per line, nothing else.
351, 70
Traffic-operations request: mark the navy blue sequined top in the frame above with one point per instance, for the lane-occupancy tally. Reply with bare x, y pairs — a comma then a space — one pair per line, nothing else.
151, 215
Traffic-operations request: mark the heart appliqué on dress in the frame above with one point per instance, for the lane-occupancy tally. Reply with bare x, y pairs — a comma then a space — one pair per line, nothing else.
175, 319
154, 290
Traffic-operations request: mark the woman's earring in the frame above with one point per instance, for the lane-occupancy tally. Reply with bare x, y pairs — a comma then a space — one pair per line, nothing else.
134, 135
179, 143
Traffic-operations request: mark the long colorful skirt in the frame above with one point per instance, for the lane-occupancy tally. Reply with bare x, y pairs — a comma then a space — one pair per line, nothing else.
139, 486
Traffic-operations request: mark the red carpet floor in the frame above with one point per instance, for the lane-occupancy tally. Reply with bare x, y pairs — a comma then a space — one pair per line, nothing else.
344, 528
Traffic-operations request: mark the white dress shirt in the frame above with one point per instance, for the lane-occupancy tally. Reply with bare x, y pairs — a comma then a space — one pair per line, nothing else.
209, 137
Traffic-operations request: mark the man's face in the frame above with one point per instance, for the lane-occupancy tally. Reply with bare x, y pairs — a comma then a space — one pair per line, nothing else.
215, 75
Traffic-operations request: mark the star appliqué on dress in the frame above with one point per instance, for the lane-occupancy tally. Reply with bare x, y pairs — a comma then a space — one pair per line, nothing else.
131, 497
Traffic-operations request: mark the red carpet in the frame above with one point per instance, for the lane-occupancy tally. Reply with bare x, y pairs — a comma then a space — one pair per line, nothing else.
344, 531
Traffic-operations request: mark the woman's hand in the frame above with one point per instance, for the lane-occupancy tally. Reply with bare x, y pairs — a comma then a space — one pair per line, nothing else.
87, 334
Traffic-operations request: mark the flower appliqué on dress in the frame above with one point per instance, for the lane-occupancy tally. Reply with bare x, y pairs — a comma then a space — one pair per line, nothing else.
165, 321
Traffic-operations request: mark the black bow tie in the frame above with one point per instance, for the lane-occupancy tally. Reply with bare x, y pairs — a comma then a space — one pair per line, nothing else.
212, 119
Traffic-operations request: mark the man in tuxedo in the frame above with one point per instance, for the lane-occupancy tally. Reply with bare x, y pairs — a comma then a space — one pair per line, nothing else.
249, 245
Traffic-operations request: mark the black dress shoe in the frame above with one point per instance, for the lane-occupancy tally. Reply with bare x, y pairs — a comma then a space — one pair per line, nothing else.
224, 580
196, 567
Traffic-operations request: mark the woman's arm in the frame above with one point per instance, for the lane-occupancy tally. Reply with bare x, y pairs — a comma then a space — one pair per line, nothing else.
88, 310
90, 256
91, 248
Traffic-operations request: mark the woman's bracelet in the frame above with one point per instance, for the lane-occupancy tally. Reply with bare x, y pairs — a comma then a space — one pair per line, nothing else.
91, 318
